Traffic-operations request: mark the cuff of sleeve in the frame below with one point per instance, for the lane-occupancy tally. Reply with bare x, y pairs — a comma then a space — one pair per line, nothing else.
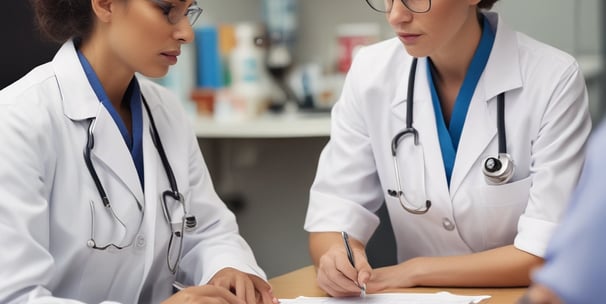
534, 235
331, 213
225, 261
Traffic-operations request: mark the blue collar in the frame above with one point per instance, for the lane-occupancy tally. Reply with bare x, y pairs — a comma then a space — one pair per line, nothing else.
450, 137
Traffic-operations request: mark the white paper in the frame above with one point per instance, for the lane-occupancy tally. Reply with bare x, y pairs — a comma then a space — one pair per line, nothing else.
392, 298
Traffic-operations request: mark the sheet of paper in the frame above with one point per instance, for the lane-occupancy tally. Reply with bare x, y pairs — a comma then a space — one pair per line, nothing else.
392, 298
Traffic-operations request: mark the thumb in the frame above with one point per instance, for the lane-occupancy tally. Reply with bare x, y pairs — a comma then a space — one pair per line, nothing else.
364, 270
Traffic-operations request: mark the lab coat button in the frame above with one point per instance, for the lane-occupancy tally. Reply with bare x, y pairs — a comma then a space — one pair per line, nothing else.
447, 224
140, 242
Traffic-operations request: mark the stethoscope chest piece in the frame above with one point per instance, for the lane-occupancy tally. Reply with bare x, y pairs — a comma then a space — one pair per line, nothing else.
498, 170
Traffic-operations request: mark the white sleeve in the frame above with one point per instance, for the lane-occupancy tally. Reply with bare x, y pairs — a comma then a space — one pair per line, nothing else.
346, 189
557, 160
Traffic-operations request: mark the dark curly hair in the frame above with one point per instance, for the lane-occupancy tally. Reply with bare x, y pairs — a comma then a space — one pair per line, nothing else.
486, 4
63, 19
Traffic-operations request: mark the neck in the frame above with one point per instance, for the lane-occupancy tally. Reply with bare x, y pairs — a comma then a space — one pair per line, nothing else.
452, 61
112, 74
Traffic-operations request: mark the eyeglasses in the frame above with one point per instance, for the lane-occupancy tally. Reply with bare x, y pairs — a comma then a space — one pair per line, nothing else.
415, 6
176, 10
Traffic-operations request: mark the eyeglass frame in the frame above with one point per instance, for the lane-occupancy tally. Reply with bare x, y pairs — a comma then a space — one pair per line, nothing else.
192, 12
405, 2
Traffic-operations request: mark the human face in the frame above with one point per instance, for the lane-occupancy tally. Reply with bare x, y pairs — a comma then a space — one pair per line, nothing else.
446, 25
143, 38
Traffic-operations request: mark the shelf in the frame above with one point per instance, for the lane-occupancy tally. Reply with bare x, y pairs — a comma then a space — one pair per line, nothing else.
296, 125
268, 126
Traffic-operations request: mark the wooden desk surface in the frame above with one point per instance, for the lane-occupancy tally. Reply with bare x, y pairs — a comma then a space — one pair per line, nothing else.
301, 282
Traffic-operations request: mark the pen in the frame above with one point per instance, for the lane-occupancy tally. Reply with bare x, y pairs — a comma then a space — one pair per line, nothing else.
350, 256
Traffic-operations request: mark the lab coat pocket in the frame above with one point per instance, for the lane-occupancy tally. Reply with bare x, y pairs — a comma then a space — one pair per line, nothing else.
499, 208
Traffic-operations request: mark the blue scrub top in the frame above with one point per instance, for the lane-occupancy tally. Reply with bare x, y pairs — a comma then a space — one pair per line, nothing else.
449, 137
133, 97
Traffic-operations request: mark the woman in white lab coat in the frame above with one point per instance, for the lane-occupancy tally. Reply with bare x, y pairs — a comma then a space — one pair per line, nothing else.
453, 225
104, 195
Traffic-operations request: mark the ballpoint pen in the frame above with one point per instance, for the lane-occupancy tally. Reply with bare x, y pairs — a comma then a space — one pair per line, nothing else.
350, 256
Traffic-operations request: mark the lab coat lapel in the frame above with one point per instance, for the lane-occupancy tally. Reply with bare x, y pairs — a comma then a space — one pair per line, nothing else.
80, 104
152, 174
502, 74
478, 131
113, 152
425, 124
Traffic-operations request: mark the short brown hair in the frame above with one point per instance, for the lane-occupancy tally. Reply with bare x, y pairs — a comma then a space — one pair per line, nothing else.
64, 19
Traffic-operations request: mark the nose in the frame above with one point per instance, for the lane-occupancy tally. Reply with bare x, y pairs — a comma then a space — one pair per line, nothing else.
399, 13
184, 31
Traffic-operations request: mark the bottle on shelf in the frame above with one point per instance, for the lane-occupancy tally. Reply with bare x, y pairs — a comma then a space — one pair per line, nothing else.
249, 79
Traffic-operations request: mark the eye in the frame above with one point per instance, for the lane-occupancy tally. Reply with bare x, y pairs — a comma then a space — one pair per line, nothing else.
165, 7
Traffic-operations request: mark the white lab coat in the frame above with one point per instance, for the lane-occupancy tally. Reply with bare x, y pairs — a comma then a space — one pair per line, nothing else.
547, 124
45, 190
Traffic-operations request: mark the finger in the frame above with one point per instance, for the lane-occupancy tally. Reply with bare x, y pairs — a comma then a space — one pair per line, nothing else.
209, 293
221, 282
264, 290
337, 284
249, 290
364, 270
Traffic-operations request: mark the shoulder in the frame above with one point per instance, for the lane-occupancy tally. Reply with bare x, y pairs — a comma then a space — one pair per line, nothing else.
29, 86
533, 54
33, 99
157, 93
381, 57
165, 105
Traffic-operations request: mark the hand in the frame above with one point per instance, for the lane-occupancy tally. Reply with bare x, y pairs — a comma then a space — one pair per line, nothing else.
247, 287
203, 295
337, 276
396, 276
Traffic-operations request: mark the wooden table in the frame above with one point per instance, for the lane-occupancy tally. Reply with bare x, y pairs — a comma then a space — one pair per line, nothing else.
302, 282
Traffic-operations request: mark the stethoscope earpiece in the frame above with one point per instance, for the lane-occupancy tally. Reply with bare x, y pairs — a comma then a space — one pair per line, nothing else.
498, 170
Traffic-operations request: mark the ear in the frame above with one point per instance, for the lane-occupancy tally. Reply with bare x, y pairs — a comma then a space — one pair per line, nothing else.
102, 9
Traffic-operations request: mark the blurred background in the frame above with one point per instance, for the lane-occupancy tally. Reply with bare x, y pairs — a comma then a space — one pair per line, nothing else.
259, 83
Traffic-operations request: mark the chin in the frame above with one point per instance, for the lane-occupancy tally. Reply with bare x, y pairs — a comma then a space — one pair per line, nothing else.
155, 72
416, 52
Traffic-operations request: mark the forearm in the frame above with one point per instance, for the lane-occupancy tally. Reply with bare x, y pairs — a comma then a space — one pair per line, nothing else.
501, 267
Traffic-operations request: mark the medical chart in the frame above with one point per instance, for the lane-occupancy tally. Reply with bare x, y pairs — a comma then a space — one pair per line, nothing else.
392, 298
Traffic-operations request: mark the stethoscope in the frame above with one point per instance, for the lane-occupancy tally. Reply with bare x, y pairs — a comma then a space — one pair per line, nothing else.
497, 170
178, 226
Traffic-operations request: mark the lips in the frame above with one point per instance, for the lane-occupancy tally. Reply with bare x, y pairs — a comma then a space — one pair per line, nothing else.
171, 56
408, 38
172, 53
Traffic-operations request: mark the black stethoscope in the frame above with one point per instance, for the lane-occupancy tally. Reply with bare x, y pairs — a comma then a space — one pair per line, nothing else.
497, 170
187, 222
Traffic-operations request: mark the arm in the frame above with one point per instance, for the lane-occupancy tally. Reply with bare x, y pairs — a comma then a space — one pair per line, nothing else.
215, 253
500, 267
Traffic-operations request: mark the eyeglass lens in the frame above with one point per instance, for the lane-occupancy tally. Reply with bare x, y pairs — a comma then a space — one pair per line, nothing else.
415, 6
180, 10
